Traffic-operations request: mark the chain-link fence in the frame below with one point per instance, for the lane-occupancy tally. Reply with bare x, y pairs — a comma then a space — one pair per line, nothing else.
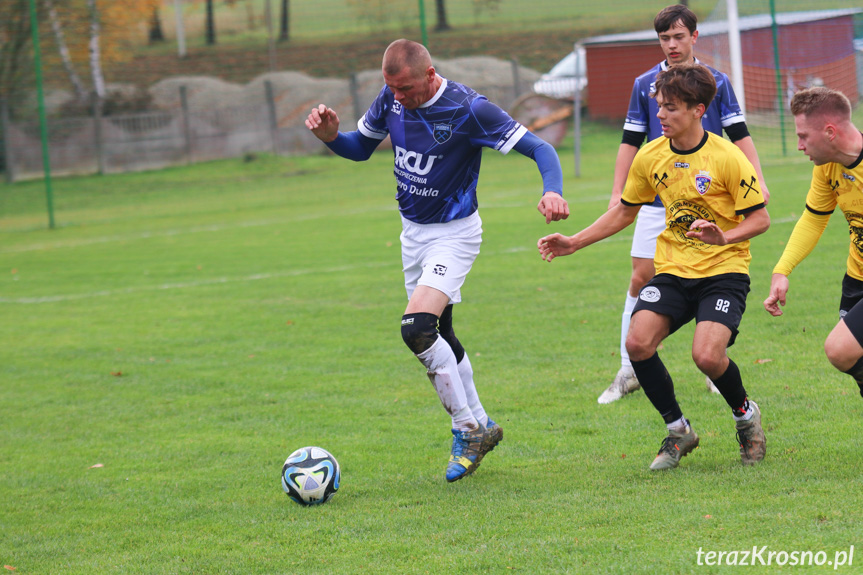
234, 97
200, 119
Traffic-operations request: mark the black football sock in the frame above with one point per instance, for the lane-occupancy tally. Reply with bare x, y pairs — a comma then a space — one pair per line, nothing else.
856, 372
658, 387
730, 385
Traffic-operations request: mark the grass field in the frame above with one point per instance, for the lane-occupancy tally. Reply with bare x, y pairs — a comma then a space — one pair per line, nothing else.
243, 21
335, 38
183, 331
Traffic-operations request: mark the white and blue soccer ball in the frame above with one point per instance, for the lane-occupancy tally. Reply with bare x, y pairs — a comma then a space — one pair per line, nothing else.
311, 476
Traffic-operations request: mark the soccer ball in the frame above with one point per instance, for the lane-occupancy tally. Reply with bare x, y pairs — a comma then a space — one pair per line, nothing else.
311, 476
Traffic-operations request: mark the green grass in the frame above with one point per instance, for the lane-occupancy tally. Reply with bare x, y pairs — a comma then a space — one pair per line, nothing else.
336, 18
189, 328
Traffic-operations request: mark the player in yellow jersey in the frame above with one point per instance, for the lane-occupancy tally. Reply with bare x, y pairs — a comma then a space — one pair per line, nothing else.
713, 206
825, 133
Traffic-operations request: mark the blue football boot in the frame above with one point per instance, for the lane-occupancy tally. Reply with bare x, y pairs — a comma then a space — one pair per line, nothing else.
466, 453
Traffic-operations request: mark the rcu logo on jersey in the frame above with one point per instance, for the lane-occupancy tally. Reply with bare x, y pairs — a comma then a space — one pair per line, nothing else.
437, 148
413, 162
702, 182
442, 133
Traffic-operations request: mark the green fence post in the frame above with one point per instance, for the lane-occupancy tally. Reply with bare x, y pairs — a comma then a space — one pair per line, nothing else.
775, 30
5, 124
43, 123
423, 33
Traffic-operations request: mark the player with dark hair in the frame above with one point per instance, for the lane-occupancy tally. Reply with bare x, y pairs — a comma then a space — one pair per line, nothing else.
713, 207
438, 129
825, 133
676, 29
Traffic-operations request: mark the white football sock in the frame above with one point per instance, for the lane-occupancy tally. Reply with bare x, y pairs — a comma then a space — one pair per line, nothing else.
465, 372
624, 328
746, 416
440, 362
679, 426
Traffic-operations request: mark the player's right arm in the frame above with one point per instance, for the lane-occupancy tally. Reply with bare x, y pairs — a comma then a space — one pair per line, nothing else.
324, 124
820, 204
638, 192
635, 130
806, 234
608, 224
625, 156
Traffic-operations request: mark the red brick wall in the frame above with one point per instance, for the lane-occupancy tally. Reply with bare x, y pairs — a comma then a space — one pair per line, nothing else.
611, 70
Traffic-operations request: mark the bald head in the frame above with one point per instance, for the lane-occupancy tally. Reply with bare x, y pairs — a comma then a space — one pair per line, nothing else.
409, 74
403, 54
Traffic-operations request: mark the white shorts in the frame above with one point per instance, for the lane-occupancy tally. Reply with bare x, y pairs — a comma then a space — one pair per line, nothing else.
440, 255
648, 226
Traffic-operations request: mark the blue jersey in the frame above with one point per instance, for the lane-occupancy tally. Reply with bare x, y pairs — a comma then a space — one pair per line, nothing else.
438, 148
723, 111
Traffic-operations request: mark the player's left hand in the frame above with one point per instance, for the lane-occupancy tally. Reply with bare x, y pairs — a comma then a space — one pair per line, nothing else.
553, 207
778, 293
707, 232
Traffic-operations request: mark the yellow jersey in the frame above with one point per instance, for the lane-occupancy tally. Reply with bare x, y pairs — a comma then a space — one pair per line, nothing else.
832, 185
713, 182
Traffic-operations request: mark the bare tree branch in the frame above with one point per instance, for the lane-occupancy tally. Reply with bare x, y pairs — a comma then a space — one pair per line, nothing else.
57, 28
95, 52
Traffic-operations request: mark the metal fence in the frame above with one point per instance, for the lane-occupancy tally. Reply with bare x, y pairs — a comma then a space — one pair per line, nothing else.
207, 121
202, 123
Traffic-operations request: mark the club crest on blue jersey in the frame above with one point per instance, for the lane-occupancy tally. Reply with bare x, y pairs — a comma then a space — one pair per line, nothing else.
442, 133
702, 182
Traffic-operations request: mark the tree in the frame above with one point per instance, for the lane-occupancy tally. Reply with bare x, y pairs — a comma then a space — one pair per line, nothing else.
84, 33
211, 24
14, 46
442, 24
156, 34
478, 7
63, 48
284, 22
96, 50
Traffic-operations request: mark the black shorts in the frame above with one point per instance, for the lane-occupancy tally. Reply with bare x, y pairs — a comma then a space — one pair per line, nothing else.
721, 299
852, 293
850, 307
